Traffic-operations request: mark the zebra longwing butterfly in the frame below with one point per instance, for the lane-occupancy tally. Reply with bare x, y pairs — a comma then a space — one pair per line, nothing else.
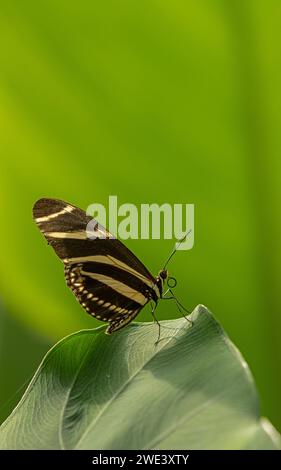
108, 280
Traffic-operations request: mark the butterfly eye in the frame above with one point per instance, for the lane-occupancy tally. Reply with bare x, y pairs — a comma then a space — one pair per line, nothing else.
163, 274
172, 282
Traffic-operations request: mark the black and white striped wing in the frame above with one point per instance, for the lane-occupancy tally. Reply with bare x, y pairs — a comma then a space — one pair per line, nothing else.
107, 279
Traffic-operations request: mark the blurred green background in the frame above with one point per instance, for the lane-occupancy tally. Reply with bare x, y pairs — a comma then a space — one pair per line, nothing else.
153, 101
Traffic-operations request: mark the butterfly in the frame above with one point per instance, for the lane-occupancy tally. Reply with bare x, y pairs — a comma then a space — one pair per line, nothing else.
107, 279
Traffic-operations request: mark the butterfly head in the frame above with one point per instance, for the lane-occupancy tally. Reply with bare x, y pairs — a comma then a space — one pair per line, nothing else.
163, 274
160, 280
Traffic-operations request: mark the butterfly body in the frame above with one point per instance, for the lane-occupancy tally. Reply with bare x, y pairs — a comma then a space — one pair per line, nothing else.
107, 279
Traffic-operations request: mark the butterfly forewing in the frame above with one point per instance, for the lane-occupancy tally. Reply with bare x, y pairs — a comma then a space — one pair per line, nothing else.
107, 279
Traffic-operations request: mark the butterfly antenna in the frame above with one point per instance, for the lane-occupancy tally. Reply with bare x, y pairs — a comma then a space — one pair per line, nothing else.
176, 247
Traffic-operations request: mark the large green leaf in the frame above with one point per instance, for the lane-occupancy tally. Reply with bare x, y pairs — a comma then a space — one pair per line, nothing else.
191, 390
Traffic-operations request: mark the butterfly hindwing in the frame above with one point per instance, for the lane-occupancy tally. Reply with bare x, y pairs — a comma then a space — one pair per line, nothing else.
99, 299
107, 279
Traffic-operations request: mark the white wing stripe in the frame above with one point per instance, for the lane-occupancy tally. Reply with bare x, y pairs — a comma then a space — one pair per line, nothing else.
56, 214
113, 262
118, 286
79, 235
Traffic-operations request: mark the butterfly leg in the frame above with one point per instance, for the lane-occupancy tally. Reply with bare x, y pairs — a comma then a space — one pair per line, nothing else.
153, 308
178, 304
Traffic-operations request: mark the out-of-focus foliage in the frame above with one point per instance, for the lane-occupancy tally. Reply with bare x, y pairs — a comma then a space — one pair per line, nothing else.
154, 101
20, 352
